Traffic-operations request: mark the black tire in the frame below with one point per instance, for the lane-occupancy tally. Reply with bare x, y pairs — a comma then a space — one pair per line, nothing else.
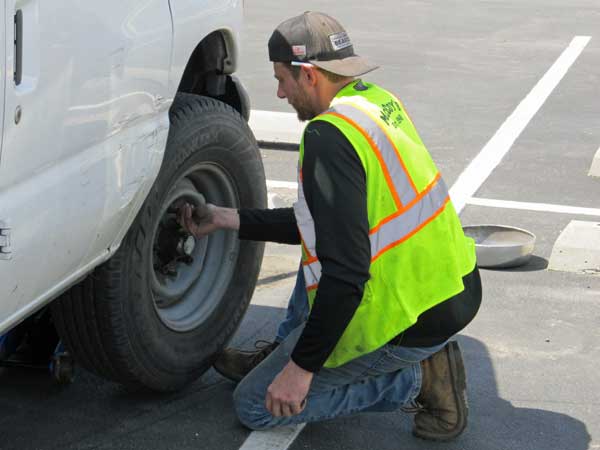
126, 322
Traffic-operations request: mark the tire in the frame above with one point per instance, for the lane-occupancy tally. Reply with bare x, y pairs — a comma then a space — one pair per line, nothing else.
158, 311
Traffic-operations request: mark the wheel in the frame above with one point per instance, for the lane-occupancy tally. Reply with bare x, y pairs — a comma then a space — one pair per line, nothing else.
159, 310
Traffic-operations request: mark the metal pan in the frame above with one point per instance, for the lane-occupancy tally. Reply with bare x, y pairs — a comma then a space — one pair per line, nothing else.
501, 246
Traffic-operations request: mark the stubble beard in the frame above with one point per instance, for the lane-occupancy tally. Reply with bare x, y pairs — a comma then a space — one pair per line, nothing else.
303, 107
305, 114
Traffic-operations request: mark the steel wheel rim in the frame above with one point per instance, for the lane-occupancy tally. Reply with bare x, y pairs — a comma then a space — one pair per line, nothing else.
185, 292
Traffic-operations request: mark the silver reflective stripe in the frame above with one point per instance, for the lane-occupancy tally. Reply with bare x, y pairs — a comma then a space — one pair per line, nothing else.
306, 225
391, 158
400, 227
304, 220
312, 273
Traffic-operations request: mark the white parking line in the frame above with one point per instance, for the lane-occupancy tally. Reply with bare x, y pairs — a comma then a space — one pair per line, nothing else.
492, 153
281, 184
477, 201
595, 169
276, 439
276, 127
543, 207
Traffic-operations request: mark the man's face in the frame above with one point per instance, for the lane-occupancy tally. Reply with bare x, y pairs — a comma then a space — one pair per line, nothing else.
292, 89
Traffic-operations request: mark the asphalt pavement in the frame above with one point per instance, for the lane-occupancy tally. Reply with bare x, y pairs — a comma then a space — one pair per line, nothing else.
532, 354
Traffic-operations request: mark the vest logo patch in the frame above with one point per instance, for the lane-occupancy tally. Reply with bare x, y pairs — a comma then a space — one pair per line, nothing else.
299, 50
340, 40
391, 114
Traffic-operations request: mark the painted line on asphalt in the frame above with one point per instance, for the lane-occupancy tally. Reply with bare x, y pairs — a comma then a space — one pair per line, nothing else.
271, 197
281, 184
595, 169
279, 199
276, 439
492, 153
477, 201
275, 127
543, 207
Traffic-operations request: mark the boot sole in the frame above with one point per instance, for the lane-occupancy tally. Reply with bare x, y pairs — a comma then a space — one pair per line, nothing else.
459, 380
235, 378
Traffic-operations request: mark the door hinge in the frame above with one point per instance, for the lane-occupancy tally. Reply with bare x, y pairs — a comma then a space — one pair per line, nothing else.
5, 252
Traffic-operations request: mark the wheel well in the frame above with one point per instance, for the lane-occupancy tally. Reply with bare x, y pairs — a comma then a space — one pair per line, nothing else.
208, 73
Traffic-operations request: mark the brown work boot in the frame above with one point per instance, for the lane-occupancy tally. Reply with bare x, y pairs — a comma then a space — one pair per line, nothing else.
236, 364
443, 398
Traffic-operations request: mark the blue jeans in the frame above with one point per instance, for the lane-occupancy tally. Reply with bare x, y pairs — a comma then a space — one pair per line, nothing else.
297, 310
383, 380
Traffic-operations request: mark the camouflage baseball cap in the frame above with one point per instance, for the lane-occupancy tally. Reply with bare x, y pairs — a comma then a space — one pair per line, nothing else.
319, 39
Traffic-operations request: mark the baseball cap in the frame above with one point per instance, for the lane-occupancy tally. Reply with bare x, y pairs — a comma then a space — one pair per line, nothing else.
319, 39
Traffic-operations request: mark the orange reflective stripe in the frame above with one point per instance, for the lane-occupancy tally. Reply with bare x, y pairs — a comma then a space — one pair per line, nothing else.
412, 233
310, 260
407, 207
386, 174
309, 256
382, 128
412, 219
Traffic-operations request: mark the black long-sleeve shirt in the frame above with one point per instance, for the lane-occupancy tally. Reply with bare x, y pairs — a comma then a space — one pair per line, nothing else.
334, 184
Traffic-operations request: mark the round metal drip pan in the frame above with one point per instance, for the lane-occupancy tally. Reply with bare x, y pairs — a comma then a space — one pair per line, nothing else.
501, 246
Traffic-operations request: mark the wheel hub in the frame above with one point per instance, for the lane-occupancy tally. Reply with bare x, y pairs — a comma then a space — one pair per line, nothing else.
186, 246
174, 246
189, 276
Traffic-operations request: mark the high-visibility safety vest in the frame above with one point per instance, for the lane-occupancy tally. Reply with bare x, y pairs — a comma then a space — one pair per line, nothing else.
419, 252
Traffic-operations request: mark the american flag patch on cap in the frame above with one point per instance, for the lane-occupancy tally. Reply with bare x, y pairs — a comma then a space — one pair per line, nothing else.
299, 50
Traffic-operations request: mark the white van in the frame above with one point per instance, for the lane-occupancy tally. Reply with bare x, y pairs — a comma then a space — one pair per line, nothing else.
112, 112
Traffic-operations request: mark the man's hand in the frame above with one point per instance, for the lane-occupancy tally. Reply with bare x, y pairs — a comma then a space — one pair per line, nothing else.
199, 220
286, 396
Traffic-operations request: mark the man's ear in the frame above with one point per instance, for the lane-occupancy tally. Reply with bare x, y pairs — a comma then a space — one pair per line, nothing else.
310, 75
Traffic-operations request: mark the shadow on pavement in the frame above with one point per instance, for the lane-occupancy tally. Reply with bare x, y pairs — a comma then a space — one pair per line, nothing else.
96, 414
494, 423
535, 263
274, 278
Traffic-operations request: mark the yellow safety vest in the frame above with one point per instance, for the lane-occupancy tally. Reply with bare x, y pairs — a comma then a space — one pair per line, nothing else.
419, 253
